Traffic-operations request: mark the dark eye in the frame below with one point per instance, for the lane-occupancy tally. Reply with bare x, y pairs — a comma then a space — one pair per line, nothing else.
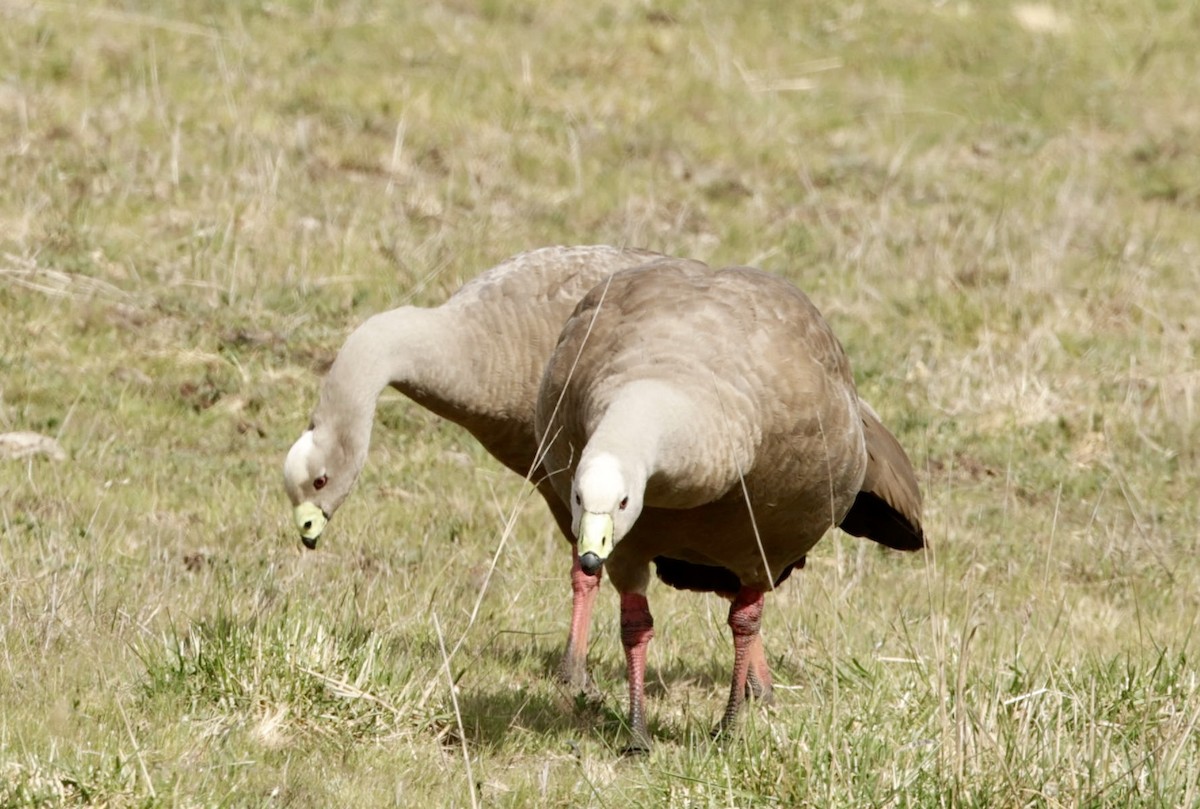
578, 500
624, 503
320, 482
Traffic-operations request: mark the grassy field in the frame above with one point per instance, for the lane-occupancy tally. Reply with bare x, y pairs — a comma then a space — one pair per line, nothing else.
997, 206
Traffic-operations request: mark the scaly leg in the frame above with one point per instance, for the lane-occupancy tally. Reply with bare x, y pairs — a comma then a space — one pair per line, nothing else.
637, 628
584, 587
745, 617
759, 685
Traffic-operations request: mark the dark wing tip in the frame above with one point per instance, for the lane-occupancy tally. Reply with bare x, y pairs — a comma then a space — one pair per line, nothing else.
872, 517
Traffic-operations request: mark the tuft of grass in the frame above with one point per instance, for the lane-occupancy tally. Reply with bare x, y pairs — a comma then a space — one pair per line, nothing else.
233, 676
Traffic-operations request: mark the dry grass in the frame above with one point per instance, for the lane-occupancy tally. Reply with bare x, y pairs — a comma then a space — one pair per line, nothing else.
995, 205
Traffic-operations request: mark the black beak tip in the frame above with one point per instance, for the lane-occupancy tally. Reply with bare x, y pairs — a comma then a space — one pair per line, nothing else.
309, 542
590, 563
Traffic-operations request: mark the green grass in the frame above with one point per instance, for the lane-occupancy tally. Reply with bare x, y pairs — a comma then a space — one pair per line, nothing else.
995, 206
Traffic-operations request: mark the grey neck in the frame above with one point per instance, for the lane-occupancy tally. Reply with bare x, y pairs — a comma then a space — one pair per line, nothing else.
403, 347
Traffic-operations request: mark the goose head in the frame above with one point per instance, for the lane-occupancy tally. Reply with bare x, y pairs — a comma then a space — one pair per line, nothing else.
606, 499
318, 474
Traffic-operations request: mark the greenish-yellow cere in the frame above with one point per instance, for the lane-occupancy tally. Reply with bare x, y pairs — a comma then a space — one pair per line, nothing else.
595, 534
310, 520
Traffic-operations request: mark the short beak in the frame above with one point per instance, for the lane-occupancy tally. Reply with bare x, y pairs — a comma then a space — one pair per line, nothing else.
595, 540
311, 521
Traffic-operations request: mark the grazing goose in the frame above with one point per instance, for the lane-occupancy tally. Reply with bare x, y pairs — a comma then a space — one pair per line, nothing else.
476, 360
708, 421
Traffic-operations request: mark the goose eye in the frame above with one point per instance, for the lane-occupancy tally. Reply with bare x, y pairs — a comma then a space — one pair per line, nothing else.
320, 482
624, 503
578, 500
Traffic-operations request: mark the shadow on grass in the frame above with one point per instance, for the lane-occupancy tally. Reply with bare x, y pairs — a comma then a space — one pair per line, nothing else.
490, 717
497, 716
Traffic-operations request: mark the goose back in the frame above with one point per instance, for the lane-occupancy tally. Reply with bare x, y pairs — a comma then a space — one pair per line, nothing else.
505, 323
771, 455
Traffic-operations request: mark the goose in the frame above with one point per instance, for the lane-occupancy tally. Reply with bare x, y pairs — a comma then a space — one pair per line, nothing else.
707, 420
476, 360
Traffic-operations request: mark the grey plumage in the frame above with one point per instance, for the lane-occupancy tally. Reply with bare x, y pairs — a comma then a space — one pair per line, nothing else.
476, 360
708, 419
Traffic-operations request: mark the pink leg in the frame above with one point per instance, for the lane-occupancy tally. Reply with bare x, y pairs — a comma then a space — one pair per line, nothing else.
758, 677
583, 596
745, 617
637, 628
